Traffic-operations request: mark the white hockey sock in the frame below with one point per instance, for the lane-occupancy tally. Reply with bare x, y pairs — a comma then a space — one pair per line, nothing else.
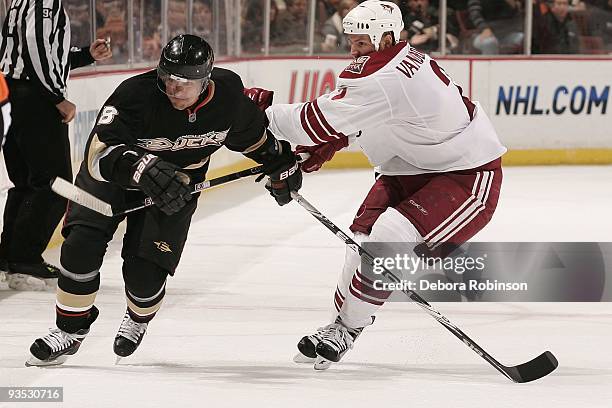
358, 307
351, 263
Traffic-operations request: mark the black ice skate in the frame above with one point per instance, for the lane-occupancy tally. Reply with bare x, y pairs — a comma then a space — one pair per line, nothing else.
336, 341
308, 345
32, 276
129, 336
55, 347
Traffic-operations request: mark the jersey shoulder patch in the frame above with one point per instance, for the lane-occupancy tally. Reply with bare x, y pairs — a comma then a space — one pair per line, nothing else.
369, 64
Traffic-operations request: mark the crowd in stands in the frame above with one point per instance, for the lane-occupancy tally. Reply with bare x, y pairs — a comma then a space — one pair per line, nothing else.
486, 27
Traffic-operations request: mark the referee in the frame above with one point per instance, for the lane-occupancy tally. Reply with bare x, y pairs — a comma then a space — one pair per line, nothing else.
36, 58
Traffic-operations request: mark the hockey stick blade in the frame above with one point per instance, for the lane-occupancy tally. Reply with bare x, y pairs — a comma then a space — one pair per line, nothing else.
539, 367
80, 196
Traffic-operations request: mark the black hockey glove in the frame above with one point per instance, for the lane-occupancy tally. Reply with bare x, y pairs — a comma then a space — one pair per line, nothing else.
284, 174
161, 181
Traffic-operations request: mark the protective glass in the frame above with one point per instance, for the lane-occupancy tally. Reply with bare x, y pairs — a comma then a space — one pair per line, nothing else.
180, 88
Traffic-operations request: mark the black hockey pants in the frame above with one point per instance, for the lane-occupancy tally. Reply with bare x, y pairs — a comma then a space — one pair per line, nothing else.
37, 149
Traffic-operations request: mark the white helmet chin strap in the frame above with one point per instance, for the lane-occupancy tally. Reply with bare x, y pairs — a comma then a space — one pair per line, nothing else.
374, 18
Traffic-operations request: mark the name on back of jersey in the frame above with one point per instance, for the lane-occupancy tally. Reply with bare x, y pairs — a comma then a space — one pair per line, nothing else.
213, 138
411, 63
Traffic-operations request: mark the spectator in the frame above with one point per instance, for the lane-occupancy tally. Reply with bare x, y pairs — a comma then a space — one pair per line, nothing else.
292, 25
151, 38
324, 10
332, 31
202, 19
327, 8
80, 25
555, 32
253, 24
177, 18
577, 5
151, 46
601, 20
111, 23
499, 23
421, 23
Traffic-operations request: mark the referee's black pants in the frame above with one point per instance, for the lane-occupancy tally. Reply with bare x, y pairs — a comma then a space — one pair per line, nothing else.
37, 149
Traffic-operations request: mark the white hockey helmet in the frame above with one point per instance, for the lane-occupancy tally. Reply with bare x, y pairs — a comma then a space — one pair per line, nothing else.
374, 18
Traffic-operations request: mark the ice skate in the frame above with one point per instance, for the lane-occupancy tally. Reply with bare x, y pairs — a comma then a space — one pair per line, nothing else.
32, 276
307, 347
128, 337
58, 345
336, 341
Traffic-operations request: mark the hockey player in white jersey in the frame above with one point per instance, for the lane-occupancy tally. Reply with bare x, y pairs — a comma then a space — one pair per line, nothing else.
435, 152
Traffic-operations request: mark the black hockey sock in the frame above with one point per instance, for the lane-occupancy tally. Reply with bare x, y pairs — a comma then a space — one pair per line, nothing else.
72, 322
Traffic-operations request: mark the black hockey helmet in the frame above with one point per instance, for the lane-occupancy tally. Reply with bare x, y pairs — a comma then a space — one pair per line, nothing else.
186, 58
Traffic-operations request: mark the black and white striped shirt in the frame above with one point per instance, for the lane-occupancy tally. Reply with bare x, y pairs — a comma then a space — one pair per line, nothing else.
36, 45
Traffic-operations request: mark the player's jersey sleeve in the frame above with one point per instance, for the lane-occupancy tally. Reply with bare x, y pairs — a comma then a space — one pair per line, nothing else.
355, 104
247, 131
114, 134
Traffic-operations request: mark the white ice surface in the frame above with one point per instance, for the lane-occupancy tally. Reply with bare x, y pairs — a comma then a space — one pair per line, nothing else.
254, 278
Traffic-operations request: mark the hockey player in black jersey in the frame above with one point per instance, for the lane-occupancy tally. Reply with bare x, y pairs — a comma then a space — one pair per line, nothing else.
154, 136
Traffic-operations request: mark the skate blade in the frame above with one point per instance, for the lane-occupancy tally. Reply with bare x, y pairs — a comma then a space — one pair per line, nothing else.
117, 359
302, 359
321, 364
21, 282
34, 362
